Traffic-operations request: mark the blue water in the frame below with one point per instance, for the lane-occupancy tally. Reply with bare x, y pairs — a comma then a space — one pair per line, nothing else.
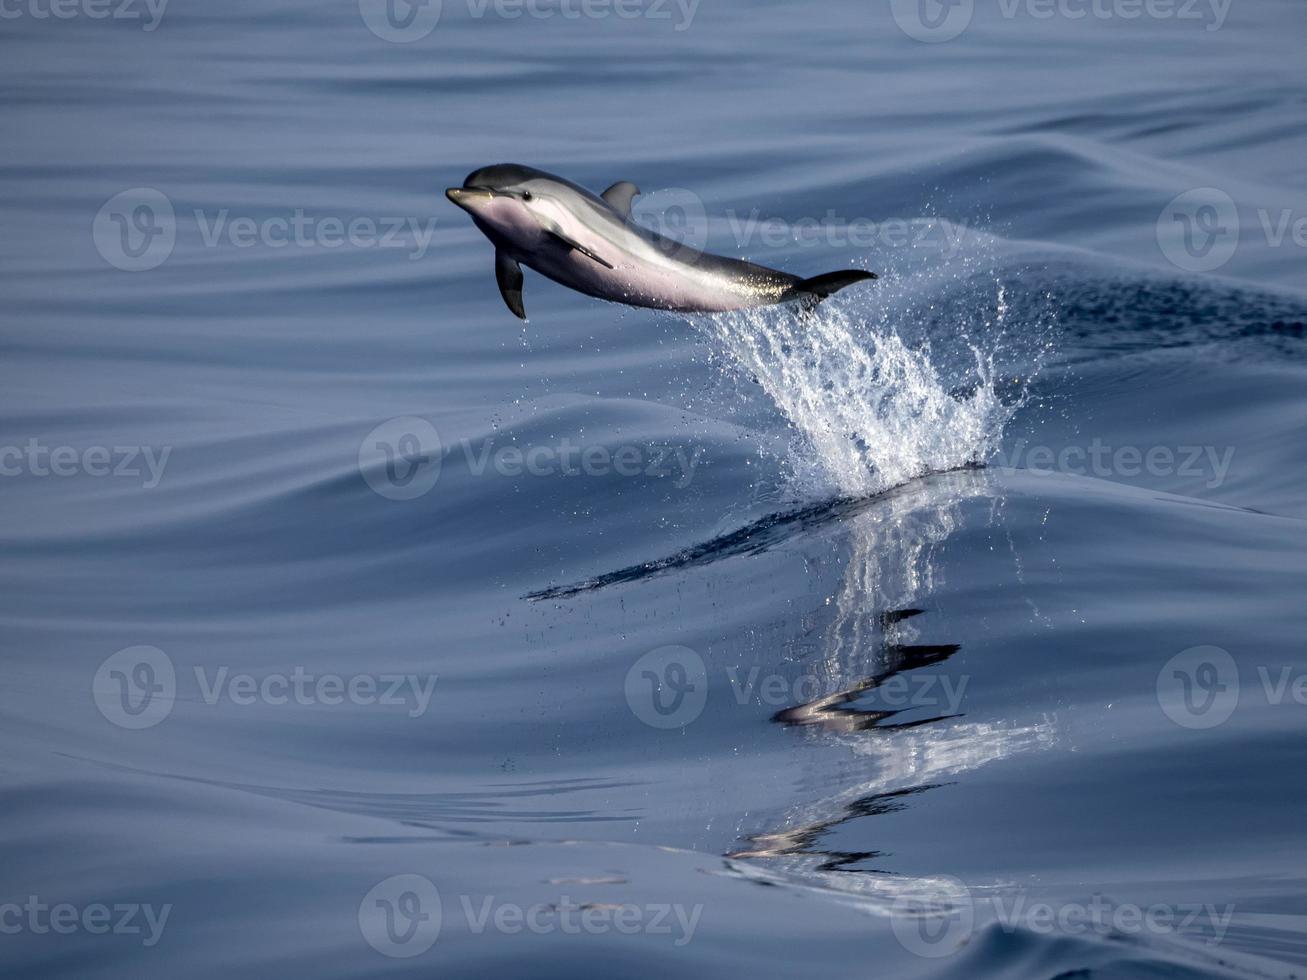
944, 634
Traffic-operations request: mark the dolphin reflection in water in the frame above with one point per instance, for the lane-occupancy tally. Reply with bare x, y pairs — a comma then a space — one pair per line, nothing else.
893, 746
881, 750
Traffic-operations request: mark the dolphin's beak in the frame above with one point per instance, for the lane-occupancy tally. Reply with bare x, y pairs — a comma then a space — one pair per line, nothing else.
465, 197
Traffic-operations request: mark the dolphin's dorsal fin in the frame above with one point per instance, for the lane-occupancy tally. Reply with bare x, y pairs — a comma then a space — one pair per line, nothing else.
509, 276
619, 197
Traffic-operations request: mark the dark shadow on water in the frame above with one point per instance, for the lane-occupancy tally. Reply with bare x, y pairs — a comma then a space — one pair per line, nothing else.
752, 539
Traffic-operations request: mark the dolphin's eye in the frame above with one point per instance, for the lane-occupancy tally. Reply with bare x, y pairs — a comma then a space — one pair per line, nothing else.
526, 195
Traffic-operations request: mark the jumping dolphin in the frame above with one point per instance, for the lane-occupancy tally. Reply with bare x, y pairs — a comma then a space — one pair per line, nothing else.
592, 245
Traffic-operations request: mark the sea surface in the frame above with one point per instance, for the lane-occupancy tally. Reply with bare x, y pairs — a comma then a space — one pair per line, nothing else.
353, 628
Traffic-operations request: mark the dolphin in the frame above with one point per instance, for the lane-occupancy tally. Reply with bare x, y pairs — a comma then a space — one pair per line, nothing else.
591, 244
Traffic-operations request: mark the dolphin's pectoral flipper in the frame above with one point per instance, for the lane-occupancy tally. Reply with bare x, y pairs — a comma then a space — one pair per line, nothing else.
509, 276
572, 243
812, 291
619, 197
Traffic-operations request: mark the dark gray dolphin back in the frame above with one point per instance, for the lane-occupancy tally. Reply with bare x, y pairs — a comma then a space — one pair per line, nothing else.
502, 174
499, 175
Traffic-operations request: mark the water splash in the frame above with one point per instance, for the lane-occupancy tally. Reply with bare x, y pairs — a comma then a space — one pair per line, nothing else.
868, 405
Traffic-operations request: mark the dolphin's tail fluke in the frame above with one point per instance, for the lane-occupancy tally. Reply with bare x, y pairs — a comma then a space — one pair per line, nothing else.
812, 291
